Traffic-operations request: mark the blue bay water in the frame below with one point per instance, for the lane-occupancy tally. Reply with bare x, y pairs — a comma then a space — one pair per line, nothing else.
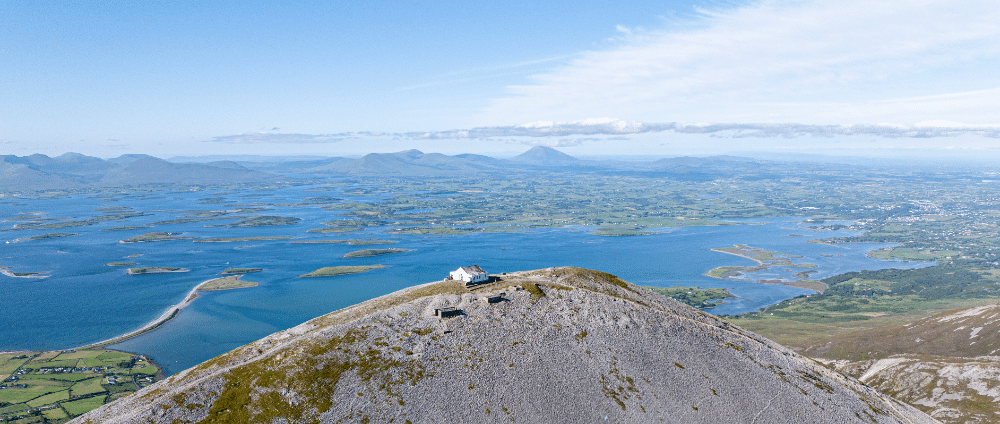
84, 301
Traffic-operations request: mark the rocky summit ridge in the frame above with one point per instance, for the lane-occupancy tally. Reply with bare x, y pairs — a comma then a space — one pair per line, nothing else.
562, 345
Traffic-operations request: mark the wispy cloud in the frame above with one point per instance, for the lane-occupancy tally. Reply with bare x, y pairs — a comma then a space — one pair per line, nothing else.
279, 138
555, 142
575, 133
618, 128
811, 61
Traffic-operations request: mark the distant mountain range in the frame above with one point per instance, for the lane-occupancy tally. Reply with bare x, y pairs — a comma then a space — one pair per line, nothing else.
74, 171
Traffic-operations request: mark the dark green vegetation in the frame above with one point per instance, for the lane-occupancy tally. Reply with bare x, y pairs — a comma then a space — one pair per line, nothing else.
124, 228
211, 217
53, 235
264, 221
154, 270
437, 231
235, 239
9, 273
39, 222
354, 242
620, 231
870, 299
364, 253
240, 270
61, 385
155, 236
333, 271
693, 296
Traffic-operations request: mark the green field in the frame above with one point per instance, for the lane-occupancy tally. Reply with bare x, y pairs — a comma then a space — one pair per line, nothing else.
88, 387
55, 414
46, 378
50, 399
82, 406
333, 271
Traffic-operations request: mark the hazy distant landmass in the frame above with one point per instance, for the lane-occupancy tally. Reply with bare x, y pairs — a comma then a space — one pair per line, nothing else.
73, 171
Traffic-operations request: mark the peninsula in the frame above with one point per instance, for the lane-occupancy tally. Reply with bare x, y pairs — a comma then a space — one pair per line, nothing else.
765, 259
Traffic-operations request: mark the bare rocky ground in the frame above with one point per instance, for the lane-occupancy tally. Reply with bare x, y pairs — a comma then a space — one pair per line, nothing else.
941, 364
572, 346
950, 389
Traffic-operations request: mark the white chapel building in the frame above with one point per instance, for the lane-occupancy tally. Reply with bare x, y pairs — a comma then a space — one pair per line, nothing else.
470, 274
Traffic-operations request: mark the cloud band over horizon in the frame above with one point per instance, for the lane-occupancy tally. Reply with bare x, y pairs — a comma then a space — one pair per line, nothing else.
615, 127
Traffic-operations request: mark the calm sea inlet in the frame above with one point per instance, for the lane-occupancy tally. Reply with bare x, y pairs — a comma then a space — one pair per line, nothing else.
84, 301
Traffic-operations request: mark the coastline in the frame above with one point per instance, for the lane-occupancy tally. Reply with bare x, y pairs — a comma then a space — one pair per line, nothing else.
802, 284
167, 315
9, 273
759, 262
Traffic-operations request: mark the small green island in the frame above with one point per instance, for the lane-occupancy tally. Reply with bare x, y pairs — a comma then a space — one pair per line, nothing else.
52, 236
155, 270
226, 283
764, 258
365, 253
354, 242
56, 386
436, 231
262, 221
695, 297
621, 231
333, 271
155, 236
120, 264
237, 239
124, 228
335, 230
9, 273
229, 271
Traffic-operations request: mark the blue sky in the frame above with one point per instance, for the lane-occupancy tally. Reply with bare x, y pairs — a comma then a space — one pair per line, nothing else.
183, 78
